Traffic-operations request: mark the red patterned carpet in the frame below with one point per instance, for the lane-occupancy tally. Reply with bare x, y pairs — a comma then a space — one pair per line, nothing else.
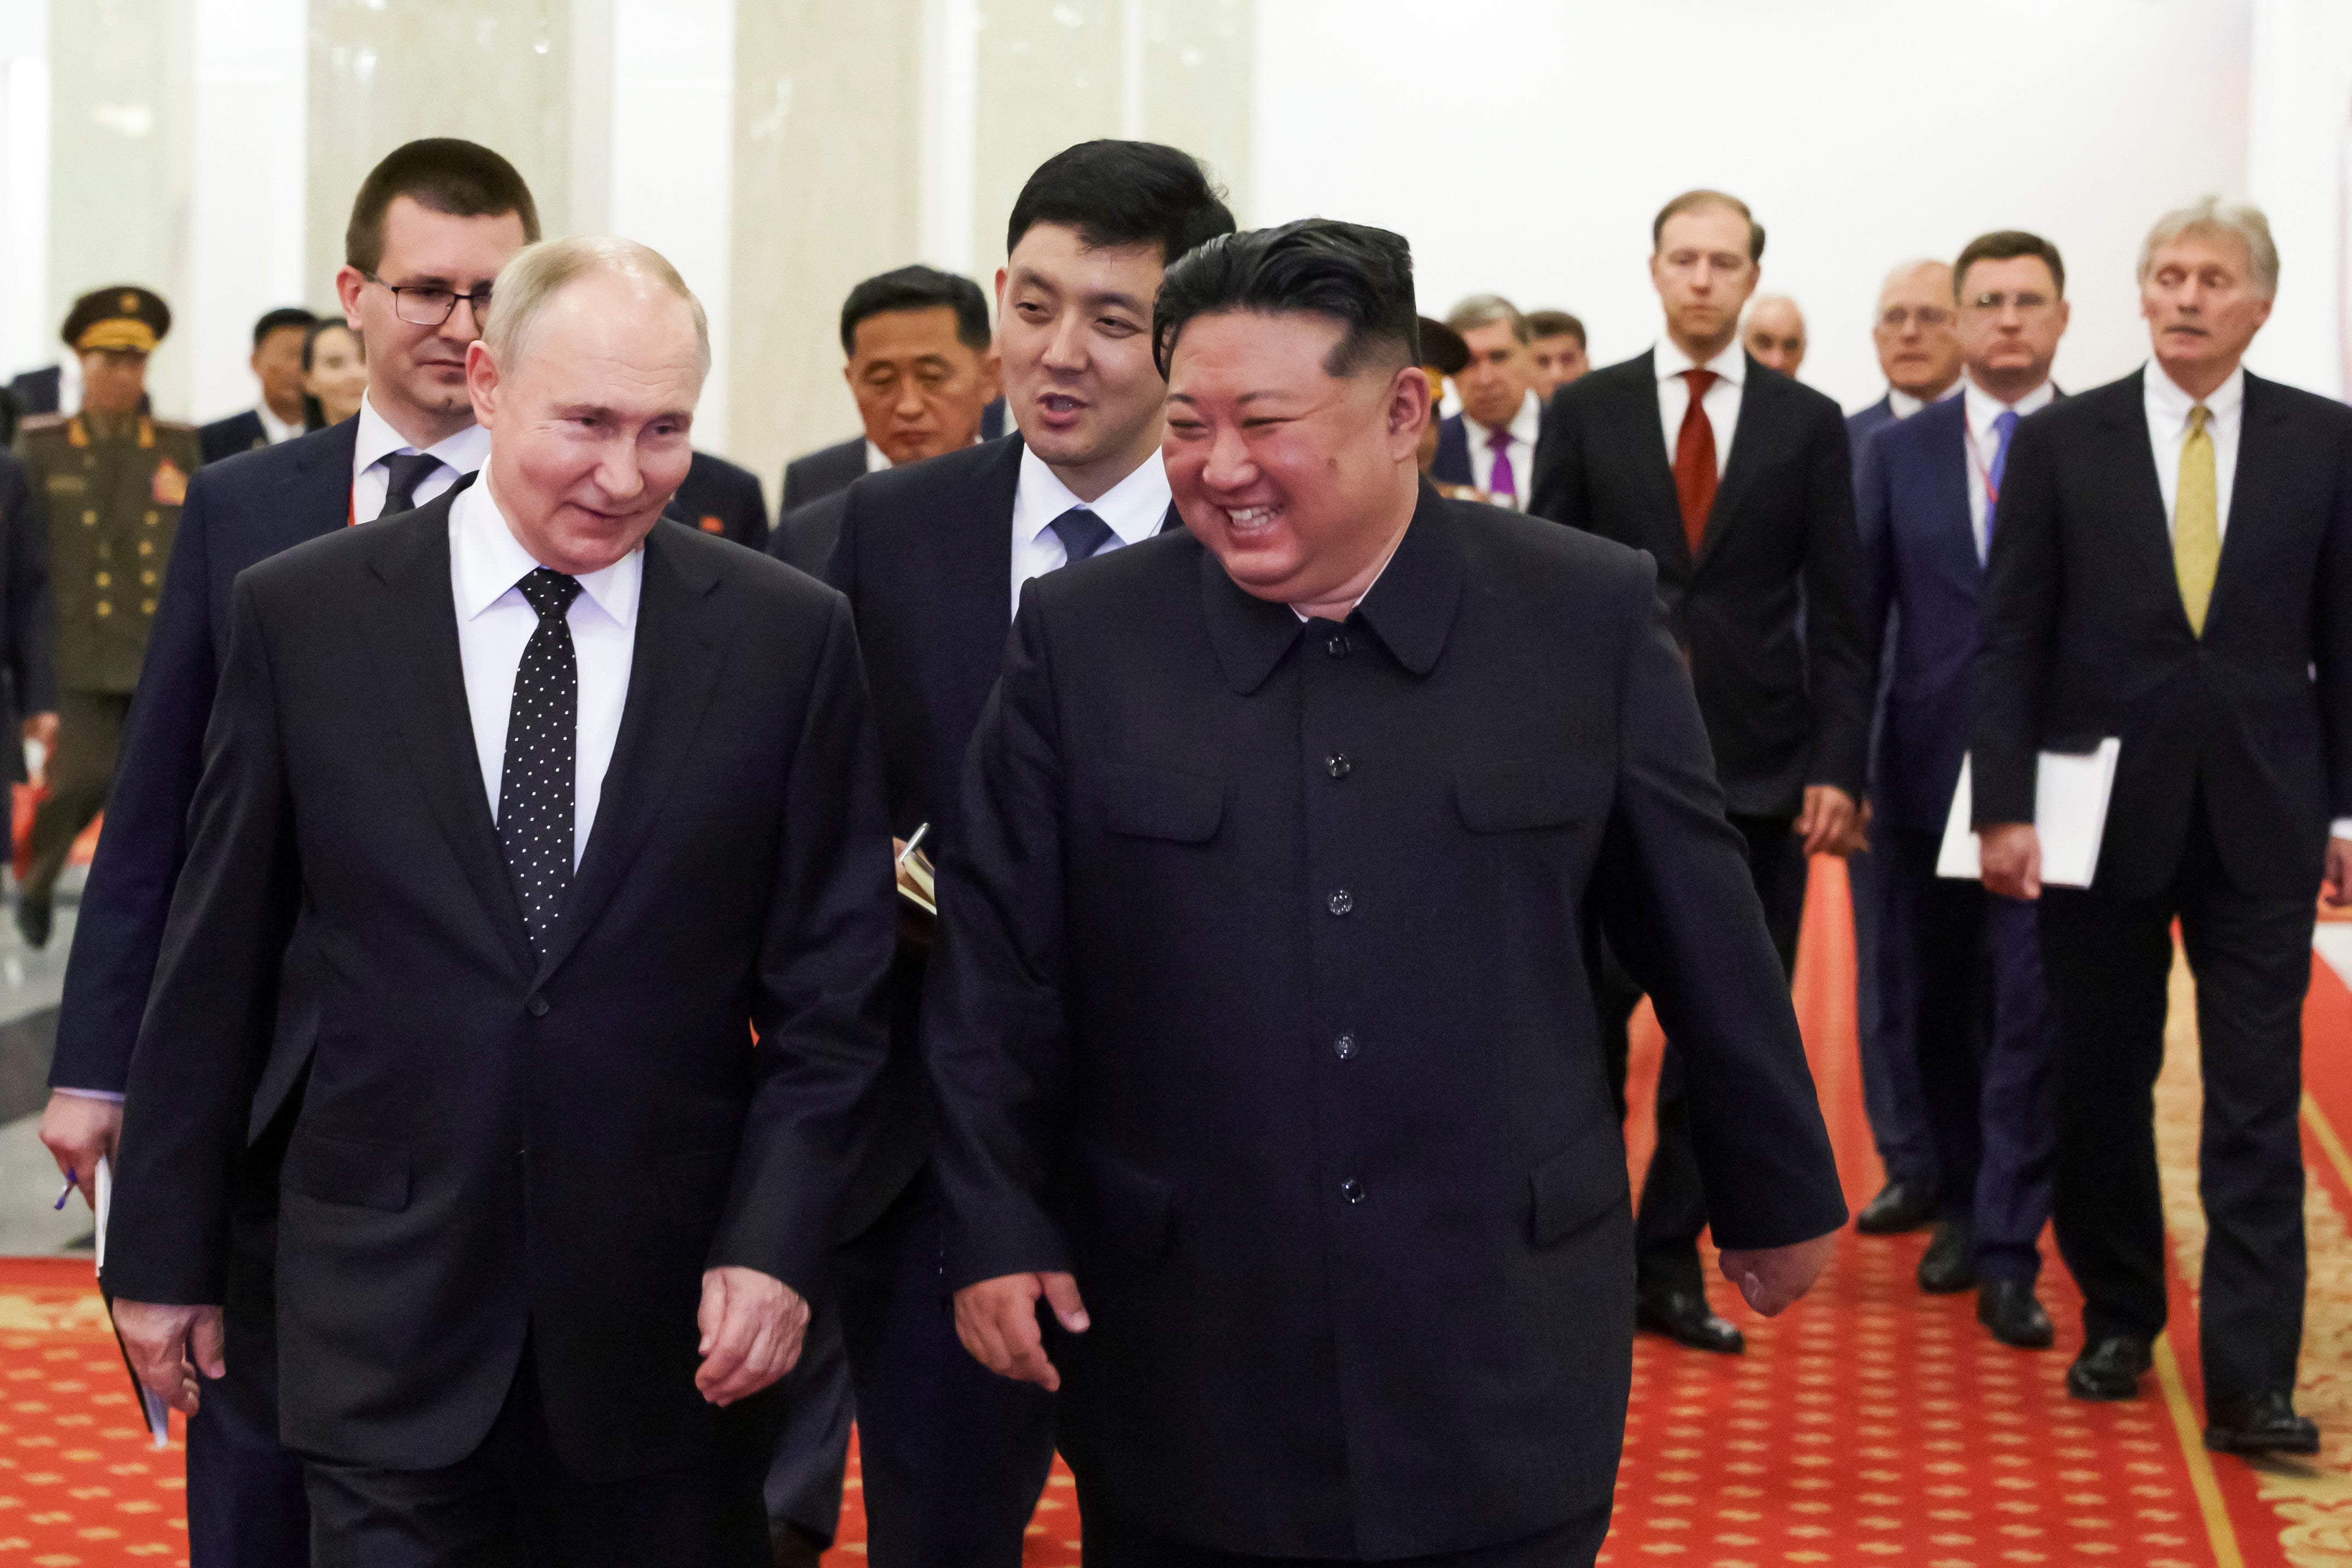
1868, 1425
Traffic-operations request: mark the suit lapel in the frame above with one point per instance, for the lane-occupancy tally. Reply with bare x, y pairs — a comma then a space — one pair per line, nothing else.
1953, 477
2137, 499
319, 492
1646, 432
412, 629
2264, 432
975, 561
674, 665
1751, 437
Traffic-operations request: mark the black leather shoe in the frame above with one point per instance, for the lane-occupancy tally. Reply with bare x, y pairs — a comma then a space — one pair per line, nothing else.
1900, 1206
797, 1548
33, 919
2008, 1308
1684, 1316
1949, 1265
2110, 1369
2266, 1424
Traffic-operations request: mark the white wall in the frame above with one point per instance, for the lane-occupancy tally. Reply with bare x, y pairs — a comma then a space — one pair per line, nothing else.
1524, 146
2299, 167
250, 113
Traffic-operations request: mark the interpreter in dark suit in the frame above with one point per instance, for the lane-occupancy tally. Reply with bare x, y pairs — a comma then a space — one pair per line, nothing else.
923, 368
1927, 498
1262, 1040
723, 498
552, 1213
830, 469
1490, 445
2173, 569
438, 209
933, 556
279, 340
1919, 352
1736, 480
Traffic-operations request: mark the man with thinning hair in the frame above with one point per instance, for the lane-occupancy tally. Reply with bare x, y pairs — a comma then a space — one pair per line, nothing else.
2112, 611
1264, 1052
1490, 445
581, 812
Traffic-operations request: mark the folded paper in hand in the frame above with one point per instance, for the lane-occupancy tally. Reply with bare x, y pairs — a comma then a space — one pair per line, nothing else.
2070, 815
151, 1405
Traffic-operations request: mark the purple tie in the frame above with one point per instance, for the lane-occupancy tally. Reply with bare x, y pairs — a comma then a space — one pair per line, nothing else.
1504, 481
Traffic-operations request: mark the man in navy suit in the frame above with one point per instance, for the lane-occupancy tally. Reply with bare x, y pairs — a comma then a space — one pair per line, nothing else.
432, 226
1920, 354
932, 557
1928, 493
1490, 445
278, 340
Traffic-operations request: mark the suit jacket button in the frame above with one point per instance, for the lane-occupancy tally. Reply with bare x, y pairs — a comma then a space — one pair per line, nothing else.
1339, 764
1352, 1190
1344, 1047
1337, 646
536, 1007
1341, 902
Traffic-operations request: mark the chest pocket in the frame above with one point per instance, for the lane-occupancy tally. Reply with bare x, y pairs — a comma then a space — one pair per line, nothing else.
1527, 792
1161, 803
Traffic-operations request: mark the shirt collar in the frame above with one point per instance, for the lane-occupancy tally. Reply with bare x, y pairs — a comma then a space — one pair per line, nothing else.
2167, 402
489, 560
876, 459
273, 427
1731, 365
1135, 508
1984, 408
466, 451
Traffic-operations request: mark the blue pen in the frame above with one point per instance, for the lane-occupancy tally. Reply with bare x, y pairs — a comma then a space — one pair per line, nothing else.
73, 1179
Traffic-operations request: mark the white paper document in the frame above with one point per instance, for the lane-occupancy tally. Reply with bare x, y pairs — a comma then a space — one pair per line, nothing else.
2070, 814
151, 1405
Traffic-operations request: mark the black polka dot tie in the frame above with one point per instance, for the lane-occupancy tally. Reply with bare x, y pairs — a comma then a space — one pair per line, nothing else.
536, 784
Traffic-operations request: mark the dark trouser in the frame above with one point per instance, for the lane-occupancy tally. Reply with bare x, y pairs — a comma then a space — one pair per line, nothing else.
953, 1457
89, 726
511, 1504
812, 1446
1109, 1543
1884, 985
1673, 1203
1988, 1051
2109, 960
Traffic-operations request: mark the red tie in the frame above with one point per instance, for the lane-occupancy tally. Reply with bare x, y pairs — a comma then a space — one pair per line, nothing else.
1695, 476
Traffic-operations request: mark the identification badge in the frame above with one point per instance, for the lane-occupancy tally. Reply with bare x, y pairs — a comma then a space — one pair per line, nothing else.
170, 484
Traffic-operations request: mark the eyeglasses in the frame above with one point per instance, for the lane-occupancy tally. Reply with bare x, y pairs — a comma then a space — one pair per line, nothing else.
2027, 301
1897, 316
429, 305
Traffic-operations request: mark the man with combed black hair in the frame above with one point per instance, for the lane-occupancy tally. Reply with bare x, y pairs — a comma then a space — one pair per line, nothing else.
1264, 1054
277, 341
933, 558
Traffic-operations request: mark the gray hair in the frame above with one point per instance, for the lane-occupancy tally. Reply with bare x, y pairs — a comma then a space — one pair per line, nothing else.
1485, 310
2212, 216
539, 272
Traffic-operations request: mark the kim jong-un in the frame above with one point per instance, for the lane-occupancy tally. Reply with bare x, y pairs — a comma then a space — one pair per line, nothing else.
1261, 1018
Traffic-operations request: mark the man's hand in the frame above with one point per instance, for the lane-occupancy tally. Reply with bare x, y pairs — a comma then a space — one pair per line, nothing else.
1857, 838
752, 1328
2009, 855
43, 727
997, 1320
2337, 888
1773, 1277
1826, 821
168, 1346
77, 1129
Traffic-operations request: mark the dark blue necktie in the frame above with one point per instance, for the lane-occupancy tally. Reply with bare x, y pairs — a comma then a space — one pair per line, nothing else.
2004, 425
536, 781
404, 471
1081, 533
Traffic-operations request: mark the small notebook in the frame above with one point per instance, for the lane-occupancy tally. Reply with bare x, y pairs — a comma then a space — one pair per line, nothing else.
2070, 813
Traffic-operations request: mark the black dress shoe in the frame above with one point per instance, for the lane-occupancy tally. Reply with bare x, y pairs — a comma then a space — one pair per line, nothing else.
2266, 1424
34, 916
796, 1547
1683, 1315
1900, 1206
1950, 1264
2008, 1308
2110, 1369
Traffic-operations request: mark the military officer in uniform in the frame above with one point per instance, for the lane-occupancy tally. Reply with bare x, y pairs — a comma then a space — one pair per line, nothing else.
111, 478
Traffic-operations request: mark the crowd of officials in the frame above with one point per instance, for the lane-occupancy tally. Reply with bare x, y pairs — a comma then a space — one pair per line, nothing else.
406, 1341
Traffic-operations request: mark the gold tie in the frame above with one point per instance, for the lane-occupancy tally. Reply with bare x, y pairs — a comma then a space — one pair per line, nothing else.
2197, 521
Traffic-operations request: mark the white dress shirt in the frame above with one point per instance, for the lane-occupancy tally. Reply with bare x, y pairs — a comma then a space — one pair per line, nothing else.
371, 482
1523, 429
1721, 403
1903, 405
274, 429
1984, 444
494, 624
2167, 431
69, 384
876, 458
1134, 509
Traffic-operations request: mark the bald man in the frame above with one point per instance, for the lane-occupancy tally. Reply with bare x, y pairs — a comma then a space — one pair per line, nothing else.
1775, 333
1917, 330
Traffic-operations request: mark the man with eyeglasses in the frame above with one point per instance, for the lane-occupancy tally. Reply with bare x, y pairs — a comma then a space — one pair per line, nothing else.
1928, 499
1920, 350
1738, 480
433, 224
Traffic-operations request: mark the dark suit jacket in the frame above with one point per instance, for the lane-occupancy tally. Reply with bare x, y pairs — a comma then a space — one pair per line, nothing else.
27, 637
821, 472
2085, 637
805, 538
1451, 466
1770, 612
227, 437
719, 498
1861, 426
490, 1143
39, 391
242, 510
1258, 1004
